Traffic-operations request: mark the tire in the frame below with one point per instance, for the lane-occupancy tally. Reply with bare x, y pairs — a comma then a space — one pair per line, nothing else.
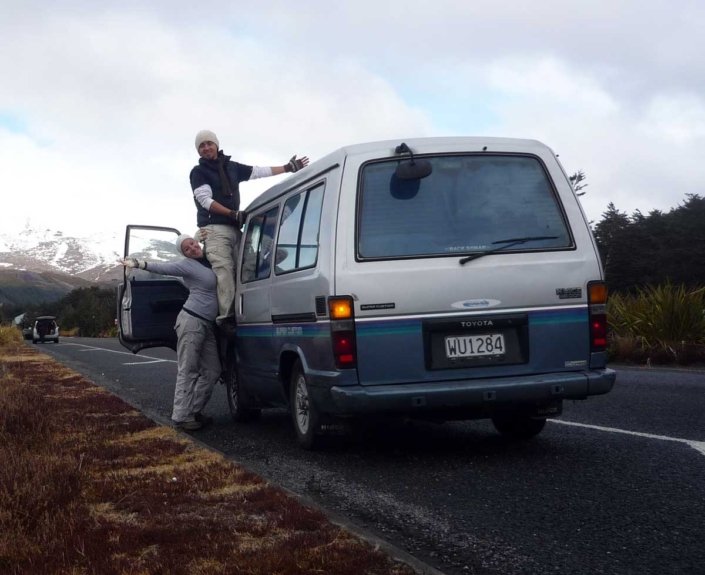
518, 426
304, 414
34, 341
238, 410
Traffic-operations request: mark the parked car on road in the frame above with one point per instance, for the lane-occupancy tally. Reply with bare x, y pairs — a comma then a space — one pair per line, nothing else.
440, 278
45, 329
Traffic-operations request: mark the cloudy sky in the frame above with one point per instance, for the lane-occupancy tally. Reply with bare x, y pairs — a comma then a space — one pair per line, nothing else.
100, 101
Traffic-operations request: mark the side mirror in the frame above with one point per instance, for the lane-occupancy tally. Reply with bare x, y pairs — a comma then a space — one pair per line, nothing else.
413, 170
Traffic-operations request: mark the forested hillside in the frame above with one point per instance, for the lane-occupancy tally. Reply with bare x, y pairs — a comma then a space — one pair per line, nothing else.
89, 312
655, 249
23, 287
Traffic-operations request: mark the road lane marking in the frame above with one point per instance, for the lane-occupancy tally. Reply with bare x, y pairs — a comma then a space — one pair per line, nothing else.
697, 445
94, 348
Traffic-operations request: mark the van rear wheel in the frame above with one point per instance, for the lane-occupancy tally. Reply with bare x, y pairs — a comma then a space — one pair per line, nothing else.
238, 410
303, 412
518, 426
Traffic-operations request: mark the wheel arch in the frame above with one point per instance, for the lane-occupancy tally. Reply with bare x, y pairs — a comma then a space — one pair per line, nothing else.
287, 360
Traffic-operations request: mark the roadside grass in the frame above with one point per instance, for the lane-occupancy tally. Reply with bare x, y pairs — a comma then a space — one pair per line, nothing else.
9, 335
662, 325
90, 485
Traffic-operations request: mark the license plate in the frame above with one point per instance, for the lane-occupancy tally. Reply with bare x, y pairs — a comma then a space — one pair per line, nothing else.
475, 345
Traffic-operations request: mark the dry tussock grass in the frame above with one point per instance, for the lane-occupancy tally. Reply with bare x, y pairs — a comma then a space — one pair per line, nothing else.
89, 485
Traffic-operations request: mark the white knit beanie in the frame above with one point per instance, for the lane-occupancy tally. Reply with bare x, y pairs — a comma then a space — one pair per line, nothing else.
180, 240
206, 136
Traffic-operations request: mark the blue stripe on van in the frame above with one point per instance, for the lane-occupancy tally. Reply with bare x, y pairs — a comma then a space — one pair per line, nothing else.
388, 327
558, 316
306, 329
410, 327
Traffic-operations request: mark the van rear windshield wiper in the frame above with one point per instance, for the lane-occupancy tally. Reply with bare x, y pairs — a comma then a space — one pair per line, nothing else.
508, 243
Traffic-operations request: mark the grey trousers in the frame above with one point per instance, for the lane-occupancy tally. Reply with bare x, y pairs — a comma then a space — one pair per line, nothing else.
198, 366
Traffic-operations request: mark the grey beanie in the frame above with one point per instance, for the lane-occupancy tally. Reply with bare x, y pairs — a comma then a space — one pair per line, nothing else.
206, 136
180, 240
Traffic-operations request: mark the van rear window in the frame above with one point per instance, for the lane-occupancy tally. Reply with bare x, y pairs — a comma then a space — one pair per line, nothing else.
467, 203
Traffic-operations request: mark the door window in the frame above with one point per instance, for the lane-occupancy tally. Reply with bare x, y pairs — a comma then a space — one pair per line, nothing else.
259, 244
297, 244
151, 244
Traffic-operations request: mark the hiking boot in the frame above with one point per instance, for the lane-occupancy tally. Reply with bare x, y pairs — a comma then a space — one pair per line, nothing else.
188, 425
203, 419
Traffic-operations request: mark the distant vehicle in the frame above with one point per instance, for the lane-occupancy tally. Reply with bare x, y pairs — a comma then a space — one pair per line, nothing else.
45, 329
440, 278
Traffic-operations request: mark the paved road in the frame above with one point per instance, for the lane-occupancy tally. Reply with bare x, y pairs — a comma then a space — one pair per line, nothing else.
616, 486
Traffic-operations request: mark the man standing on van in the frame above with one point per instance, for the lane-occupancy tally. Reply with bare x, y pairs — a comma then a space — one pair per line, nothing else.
215, 184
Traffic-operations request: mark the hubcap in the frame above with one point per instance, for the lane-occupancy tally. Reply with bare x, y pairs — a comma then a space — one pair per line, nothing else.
301, 405
233, 392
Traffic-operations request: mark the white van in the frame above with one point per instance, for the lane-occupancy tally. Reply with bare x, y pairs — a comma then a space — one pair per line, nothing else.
450, 278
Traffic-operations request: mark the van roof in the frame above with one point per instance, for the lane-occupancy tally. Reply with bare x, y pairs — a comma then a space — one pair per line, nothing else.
385, 148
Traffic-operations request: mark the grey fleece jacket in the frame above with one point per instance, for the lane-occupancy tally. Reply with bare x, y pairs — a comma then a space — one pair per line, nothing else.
200, 281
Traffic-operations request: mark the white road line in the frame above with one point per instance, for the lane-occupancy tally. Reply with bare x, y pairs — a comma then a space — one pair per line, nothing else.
93, 348
697, 445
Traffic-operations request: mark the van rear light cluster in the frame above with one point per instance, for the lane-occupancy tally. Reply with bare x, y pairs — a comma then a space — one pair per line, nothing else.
342, 327
597, 310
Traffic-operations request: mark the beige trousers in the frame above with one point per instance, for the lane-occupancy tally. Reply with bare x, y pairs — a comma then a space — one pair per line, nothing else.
221, 247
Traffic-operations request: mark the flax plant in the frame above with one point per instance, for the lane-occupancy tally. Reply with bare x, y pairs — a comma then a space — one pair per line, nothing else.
659, 321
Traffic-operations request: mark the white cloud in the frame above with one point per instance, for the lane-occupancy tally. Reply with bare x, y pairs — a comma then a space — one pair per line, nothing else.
550, 83
97, 126
677, 119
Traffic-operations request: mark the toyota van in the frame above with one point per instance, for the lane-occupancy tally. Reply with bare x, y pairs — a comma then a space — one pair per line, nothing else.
443, 278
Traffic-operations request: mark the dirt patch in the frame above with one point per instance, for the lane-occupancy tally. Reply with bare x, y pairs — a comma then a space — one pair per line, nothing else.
90, 485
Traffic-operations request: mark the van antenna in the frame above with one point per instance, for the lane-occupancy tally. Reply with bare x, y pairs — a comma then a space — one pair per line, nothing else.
404, 149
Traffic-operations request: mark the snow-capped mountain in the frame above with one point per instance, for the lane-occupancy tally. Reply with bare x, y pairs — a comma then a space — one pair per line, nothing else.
92, 257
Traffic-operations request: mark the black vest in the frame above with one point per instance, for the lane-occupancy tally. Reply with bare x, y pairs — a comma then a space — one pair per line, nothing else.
208, 172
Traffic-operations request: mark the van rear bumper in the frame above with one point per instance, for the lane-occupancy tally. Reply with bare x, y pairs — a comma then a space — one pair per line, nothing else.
463, 394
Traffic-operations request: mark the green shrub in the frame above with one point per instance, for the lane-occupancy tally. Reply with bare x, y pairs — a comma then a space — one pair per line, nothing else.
660, 324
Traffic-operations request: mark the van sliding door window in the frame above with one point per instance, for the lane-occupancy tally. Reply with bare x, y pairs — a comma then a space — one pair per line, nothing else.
464, 205
297, 244
259, 244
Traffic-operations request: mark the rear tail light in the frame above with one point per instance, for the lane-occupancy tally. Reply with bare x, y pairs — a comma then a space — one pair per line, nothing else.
597, 309
342, 326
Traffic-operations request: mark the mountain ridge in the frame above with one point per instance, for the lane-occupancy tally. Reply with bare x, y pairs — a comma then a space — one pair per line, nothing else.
44, 265
92, 257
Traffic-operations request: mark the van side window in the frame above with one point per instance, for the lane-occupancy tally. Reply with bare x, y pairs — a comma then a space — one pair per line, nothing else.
259, 243
297, 245
465, 205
